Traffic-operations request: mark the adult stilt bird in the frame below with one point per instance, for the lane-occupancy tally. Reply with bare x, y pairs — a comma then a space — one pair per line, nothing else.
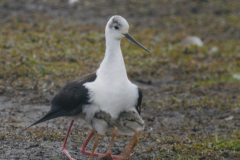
103, 99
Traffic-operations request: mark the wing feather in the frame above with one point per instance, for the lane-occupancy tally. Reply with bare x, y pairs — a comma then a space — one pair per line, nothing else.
70, 100
139, 101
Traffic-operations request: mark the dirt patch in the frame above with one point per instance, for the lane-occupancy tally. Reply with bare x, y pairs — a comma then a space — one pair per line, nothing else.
190, 101
168, 124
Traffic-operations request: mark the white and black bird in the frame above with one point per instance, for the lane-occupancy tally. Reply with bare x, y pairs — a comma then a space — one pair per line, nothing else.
104, 96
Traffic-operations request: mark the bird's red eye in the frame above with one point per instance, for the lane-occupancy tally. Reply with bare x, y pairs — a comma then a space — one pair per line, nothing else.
116, 27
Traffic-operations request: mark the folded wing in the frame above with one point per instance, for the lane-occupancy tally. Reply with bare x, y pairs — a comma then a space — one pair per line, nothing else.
70, 100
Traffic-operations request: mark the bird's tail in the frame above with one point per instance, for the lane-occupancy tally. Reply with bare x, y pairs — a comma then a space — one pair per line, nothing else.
50, 115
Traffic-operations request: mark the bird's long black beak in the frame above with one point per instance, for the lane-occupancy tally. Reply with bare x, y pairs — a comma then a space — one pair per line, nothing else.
133, 40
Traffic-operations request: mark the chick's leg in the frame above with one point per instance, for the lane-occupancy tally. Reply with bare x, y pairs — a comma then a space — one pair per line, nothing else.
130, 147
114, 134
135, 142
94, 146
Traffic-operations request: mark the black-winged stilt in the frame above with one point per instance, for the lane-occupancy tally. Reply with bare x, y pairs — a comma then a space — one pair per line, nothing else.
105, 99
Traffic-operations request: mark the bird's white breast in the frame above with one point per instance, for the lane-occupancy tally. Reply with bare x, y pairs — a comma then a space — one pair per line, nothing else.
113, 96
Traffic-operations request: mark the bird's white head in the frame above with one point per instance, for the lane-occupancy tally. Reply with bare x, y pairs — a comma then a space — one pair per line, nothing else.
117, 28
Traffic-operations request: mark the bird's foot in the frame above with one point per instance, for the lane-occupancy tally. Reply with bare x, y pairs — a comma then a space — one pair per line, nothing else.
67, 154
108, 154
123, 157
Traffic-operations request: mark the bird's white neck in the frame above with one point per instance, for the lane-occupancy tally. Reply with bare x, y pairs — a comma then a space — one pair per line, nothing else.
112, 67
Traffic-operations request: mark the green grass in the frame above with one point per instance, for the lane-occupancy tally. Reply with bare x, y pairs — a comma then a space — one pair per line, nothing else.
195, 147
45, 51
48, 50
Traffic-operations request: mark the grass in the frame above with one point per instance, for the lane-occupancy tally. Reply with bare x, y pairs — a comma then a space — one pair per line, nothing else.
51, 49
196, 147
33, 55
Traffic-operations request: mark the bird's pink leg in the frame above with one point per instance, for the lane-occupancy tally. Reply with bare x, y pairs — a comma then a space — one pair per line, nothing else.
64, 148
82, 149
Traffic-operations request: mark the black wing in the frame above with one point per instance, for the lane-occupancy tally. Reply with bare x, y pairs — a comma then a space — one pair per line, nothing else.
139, 101
70, 100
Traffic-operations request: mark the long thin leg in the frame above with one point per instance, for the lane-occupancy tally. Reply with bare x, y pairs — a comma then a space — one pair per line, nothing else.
135, 142
82, 149
94, 146
114, 134
130, 147
64, 148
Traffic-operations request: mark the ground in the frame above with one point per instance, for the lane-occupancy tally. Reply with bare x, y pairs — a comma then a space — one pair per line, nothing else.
191, 97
